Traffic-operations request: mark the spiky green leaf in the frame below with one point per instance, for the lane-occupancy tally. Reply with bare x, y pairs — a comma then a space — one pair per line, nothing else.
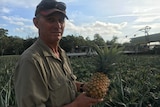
106, 56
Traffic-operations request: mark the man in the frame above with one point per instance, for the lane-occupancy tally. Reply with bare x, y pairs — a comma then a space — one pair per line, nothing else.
43, 75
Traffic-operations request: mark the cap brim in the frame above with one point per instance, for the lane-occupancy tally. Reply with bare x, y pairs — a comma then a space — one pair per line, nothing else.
50, 11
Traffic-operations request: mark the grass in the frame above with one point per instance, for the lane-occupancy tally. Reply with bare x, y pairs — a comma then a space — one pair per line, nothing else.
134, 80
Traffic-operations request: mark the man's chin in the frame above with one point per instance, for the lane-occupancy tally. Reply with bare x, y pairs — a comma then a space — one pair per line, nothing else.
57, 38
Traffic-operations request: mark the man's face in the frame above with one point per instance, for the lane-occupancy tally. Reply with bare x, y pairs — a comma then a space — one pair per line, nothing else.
51, 27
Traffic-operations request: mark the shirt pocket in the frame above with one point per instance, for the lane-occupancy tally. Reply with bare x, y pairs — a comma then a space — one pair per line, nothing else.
59, 93
54, 85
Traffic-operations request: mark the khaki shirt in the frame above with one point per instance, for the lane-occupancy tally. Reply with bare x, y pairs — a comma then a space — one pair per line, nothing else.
42, 80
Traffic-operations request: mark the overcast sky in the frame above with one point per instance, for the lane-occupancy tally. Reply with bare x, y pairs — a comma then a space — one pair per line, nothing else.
108, 18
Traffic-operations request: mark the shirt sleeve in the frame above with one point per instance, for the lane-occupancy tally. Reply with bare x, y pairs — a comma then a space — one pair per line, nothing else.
31, 87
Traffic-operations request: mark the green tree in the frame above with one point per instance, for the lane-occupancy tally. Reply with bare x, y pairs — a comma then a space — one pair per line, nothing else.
98, 40
3, 32
68, 43
3, 40
113, 41
28, 42
18, 45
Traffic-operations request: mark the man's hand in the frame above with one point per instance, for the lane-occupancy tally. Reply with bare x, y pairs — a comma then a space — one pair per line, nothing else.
83, 101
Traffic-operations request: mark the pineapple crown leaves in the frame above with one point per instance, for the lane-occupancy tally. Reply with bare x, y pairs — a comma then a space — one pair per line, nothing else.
107, 56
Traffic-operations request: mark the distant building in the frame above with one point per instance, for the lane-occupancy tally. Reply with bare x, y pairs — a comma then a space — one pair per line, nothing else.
146, 39
145, 43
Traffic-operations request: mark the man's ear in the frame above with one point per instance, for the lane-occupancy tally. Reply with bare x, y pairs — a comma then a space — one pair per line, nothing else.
35, 21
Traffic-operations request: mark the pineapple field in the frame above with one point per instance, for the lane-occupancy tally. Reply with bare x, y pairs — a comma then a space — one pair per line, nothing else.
134, 80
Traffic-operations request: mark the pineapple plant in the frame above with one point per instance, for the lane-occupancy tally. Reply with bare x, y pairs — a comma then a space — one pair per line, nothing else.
98, 85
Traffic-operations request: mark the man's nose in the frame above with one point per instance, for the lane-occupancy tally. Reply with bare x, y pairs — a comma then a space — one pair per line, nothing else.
58, 24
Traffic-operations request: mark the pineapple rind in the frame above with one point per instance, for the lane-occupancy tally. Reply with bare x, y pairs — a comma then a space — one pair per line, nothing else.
97, 87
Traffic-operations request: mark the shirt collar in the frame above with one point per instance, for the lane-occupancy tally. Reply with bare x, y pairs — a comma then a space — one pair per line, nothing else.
47, 51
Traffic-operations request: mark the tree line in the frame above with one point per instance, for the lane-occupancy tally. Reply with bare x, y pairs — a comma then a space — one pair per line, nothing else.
14, 45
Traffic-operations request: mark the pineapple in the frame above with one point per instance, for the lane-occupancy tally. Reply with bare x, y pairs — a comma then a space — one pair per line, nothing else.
97, 86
